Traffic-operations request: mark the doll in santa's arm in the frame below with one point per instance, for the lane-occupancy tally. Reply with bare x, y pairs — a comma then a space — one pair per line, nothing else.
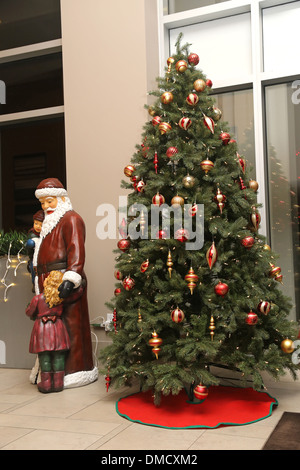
50, 338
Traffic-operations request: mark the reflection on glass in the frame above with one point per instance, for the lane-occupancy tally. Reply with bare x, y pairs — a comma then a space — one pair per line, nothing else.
23, 23
237, 113
32, 83
283, 158
174, 6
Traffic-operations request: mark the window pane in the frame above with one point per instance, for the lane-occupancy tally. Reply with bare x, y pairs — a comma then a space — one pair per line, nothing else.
32, 83
28, 22
222, 56
237, 112
280, 37
283, 157
29, 153
174, 6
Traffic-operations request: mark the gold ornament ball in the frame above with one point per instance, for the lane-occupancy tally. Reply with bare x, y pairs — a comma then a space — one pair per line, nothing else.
188, 181
167, 97
199, 85
181, 66
253, 185
177, 201
217, 113
287, 346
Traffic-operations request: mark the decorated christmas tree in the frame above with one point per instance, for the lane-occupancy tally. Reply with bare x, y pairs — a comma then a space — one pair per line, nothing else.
197, 285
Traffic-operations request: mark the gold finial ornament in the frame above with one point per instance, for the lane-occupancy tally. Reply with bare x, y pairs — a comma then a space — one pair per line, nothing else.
212, 327
169, 263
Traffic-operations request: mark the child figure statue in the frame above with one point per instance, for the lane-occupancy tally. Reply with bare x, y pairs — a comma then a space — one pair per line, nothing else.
49, 337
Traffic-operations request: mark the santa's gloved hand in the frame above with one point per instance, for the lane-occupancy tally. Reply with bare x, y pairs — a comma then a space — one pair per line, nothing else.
65, 289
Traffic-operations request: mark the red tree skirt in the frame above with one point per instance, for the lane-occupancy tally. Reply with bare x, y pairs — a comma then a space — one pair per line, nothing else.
224, 406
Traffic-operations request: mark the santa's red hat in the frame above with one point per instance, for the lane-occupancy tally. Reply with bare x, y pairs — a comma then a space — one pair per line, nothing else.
50, 187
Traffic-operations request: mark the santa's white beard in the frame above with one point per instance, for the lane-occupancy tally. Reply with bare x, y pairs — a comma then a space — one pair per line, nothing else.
49, 223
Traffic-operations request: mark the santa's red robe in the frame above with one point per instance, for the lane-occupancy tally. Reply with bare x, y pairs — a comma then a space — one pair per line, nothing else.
63, 249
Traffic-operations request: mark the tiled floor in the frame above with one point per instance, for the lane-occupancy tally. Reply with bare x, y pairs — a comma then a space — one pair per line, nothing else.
85, 419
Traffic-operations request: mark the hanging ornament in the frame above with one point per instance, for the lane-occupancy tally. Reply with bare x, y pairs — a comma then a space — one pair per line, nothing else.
209, 83
158, 199
191, 278
255, 219
209, 123
193, 59
170, 62
264, 307
188, 181
220, 200
221, 289
182, 235
206, 166
115, 319
169, 263
117, 291
185, 123
266, 247
251, 318
211, 255
199, 85
242, 185
275, 270
141, 186
171, 151
177, 201
144, 266
192, 99
177, 315
155, 161
167, 97
156, 120
122, 228
142, 222
139, 317
134, 180
201, 392
128, 170
107, 380
287, 346
181, 66
278, 278
151, 111
161, 235
155, 342
225, 137
242, 163
118, 275
212, 327
193, 210
128, 283
124, 244
217, 113
248, 242
253, 185
164, 127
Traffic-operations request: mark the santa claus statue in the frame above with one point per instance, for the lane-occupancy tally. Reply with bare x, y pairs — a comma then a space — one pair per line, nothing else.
61, 247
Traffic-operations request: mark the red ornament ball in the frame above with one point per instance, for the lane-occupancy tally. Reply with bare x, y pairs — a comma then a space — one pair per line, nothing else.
156, 120
209, 83
118, 275
158, 199
247, 242
201, 392
264, 307
185, 123
225, 137
221, 289
161, 235
192, 99
182, 235
177, 315
124, 244
193, 59
128, 283
171, 151
251, 318
117, 291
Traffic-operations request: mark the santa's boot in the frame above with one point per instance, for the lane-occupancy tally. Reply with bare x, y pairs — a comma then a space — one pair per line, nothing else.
58, 381
45, 385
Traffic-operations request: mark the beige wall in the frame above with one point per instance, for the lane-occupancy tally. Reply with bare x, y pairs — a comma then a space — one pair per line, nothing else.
106, 79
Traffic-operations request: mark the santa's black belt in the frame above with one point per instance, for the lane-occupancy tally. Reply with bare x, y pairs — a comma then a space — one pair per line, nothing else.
47, 268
